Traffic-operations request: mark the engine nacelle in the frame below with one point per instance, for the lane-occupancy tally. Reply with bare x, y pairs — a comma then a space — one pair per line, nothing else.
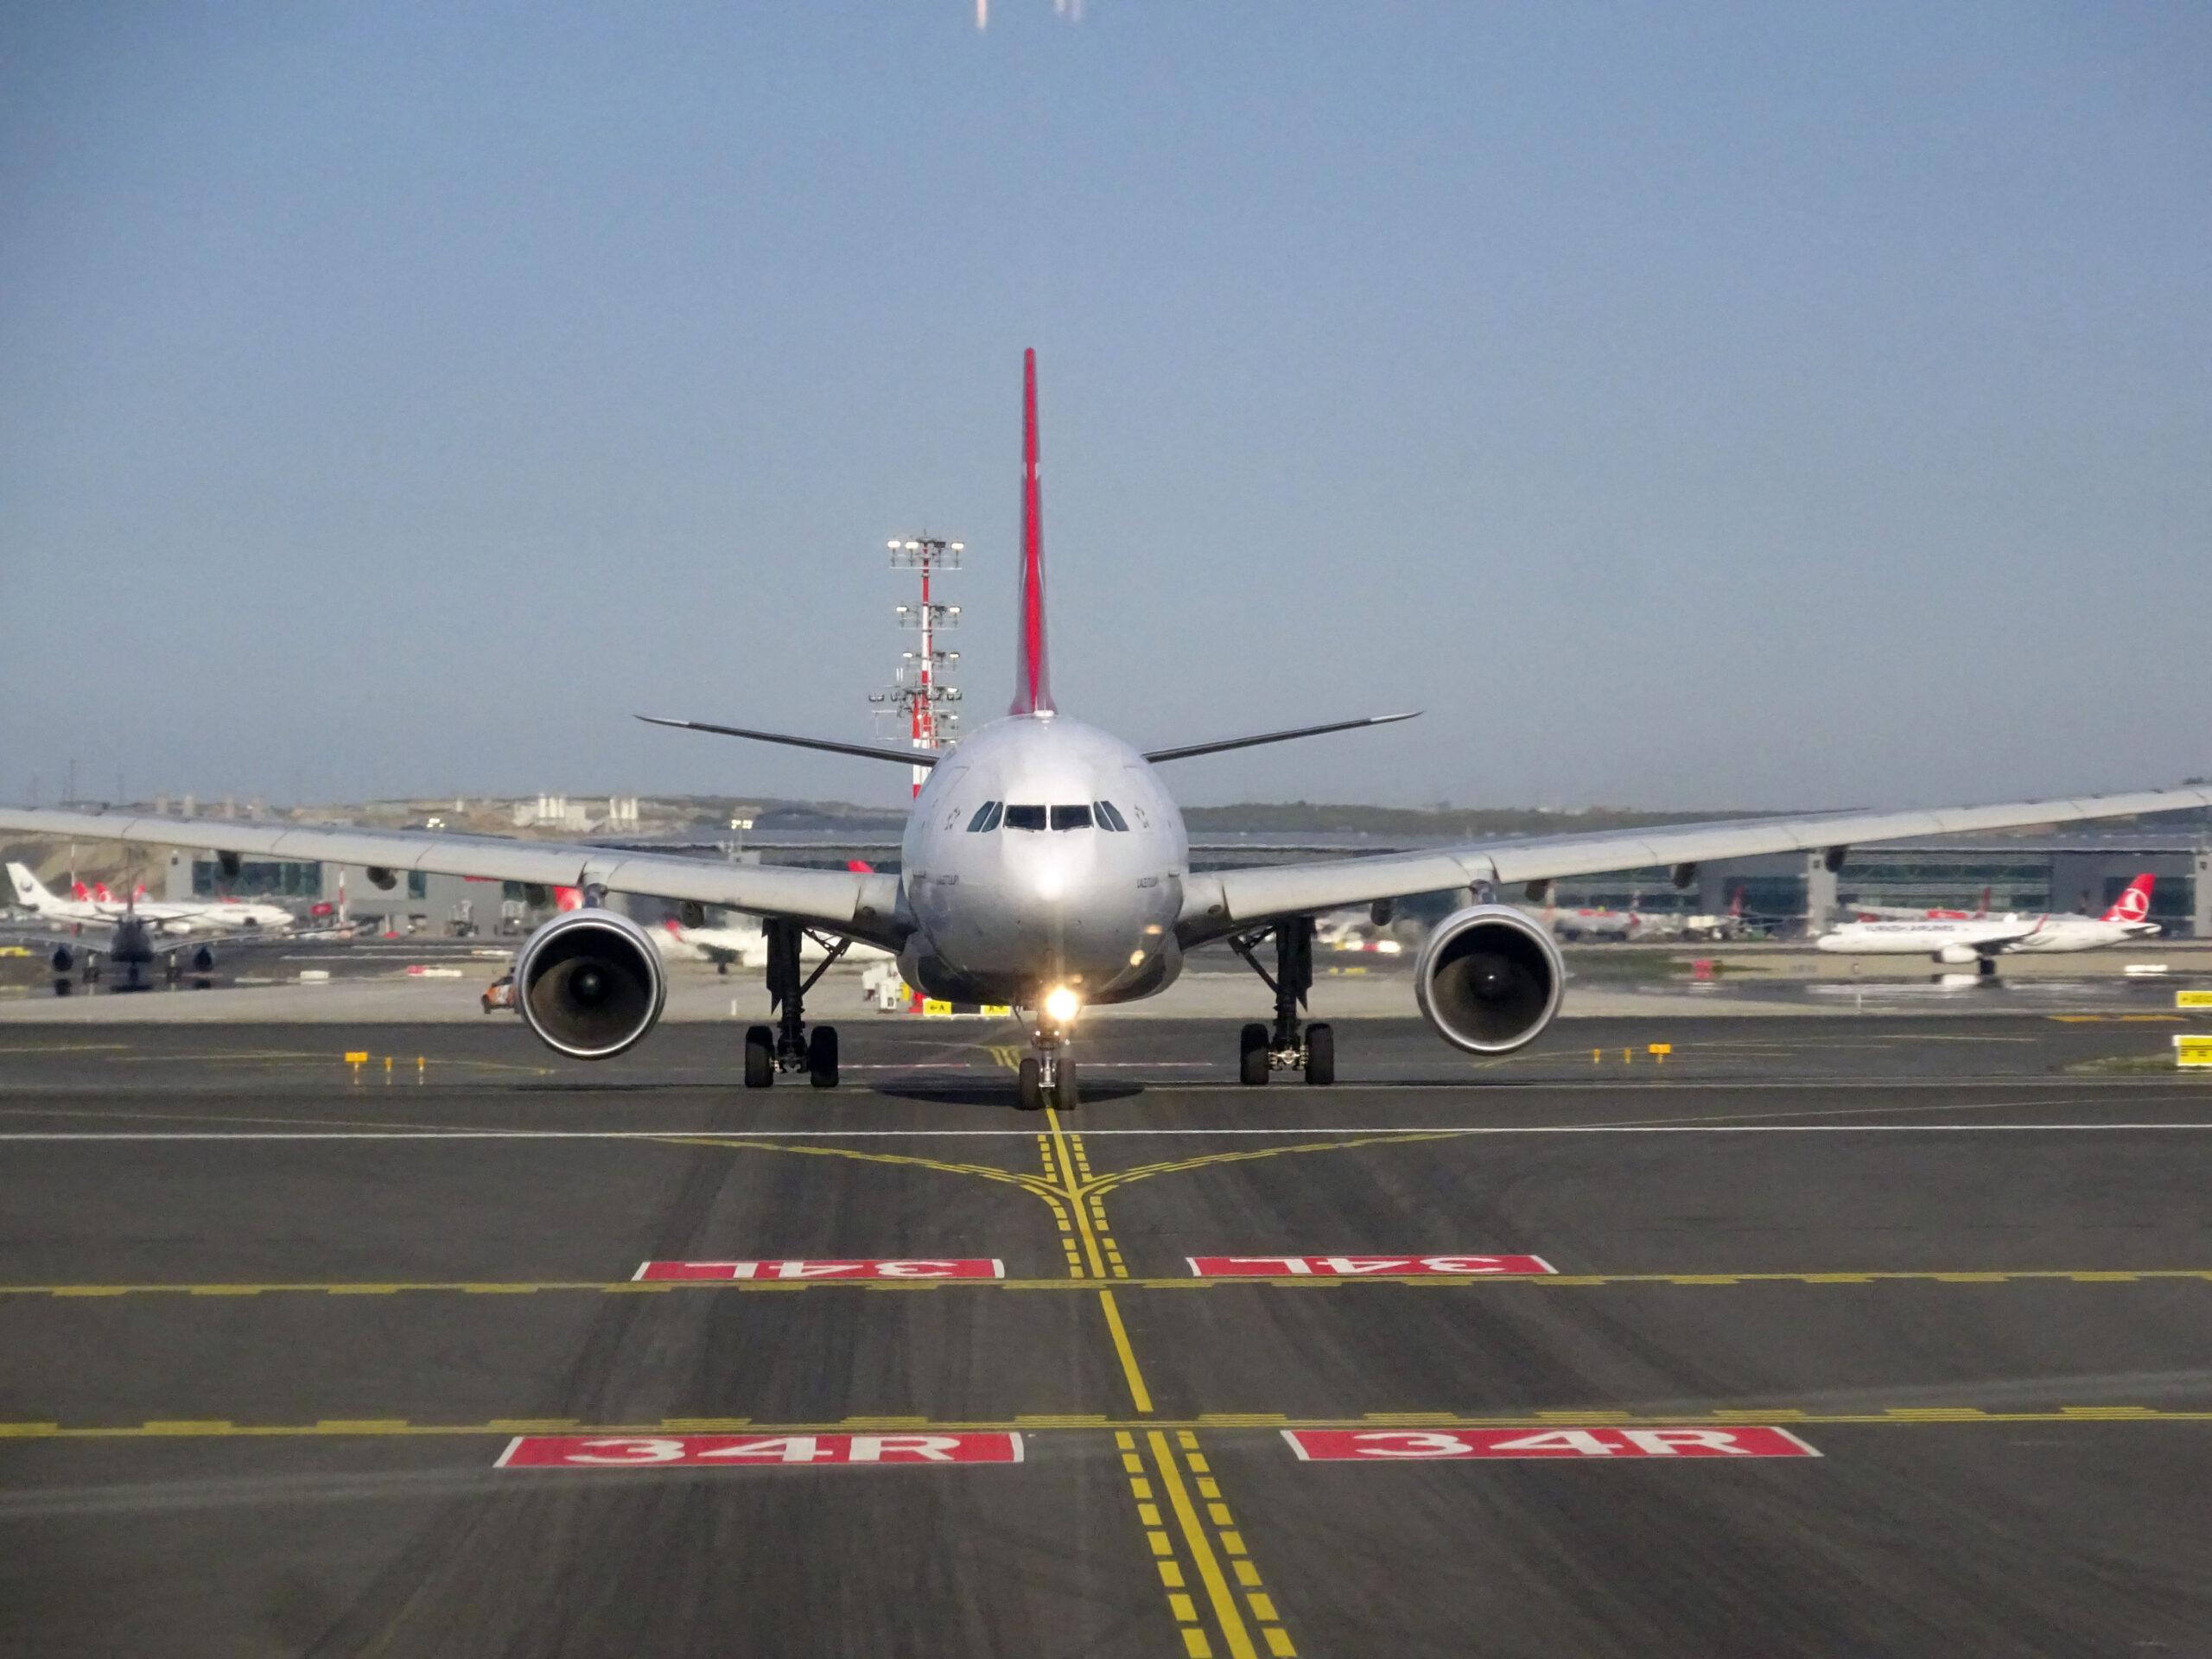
1489, 979
589, 983
1959, 954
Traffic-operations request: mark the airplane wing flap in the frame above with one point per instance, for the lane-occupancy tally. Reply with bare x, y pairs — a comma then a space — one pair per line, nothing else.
864, 904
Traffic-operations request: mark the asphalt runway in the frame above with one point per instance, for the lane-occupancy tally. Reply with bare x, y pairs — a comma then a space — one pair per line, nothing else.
301, 1354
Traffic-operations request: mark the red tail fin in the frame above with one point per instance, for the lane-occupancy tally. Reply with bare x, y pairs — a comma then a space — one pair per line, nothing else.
568, 898
2135, 904
1033, 687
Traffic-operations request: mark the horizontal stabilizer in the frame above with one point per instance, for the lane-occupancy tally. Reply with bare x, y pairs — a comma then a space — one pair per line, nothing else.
1189, 749
866, 751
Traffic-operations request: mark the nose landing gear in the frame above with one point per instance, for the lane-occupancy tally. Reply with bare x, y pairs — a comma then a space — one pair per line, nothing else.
789, 1046
1047, 1077
1288, 1046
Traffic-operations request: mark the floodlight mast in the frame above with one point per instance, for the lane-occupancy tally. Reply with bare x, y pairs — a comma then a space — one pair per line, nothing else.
923, 682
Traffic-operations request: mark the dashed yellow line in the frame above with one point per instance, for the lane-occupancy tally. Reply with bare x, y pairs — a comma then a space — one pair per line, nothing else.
1212, 1540
1070, 1188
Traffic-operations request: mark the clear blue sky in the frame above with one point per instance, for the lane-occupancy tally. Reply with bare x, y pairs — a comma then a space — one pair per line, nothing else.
1759, 405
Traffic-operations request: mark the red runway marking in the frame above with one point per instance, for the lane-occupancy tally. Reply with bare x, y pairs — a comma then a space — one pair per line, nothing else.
744, 1451
1415, 1445
1284, 1266
929, 1269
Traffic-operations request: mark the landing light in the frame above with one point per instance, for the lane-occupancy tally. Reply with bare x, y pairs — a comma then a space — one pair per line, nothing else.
1062, 1005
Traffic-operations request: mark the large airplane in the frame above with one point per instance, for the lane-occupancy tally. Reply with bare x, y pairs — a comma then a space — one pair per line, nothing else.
222, 915
1960, 939
1046, 865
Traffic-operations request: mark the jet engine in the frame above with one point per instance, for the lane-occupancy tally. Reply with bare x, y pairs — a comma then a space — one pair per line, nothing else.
1489, 979
1958, 953
589, 983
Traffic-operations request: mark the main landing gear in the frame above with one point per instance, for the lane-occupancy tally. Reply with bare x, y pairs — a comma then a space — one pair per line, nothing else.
1285, 1046
788, 1045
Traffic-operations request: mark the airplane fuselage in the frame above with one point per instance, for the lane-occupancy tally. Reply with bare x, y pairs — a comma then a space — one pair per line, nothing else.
1994, 935
1041, 853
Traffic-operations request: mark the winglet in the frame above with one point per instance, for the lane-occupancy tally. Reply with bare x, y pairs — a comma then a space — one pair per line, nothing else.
1032, 686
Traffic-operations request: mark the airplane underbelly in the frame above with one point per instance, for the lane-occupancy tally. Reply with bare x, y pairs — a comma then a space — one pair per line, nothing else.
1004, 943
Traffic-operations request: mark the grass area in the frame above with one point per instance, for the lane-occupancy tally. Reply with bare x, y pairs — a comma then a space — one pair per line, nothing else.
2112, 1065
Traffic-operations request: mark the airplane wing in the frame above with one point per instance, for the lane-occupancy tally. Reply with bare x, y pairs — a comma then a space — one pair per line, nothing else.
1221, 902
863, 905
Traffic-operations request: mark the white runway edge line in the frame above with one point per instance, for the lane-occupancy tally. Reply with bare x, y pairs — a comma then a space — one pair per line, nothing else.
9, 1136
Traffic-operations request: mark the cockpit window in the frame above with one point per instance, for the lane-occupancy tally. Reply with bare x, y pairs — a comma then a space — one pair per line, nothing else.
1072, 817
986, 819
1024, 817
1110, 815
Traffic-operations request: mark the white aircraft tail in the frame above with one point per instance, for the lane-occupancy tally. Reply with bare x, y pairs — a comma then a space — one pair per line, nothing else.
30, 892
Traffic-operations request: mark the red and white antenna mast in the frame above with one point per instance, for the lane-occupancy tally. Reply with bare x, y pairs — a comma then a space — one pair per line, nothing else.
917, 698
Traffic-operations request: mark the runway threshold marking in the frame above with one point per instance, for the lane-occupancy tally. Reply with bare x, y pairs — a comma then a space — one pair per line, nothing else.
1436, 1277
757, 1451
874, 1271
1598, 1441
1349, 1266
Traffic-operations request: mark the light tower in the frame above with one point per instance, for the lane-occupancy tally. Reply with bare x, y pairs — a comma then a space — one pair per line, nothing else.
917, 697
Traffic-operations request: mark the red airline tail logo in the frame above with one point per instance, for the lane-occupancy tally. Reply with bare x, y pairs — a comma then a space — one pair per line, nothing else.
1032, 689
567, 898
2135, 904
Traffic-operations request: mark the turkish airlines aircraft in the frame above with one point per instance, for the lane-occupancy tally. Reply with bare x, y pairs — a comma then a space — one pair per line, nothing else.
221, 917
1045, 865
1983, 941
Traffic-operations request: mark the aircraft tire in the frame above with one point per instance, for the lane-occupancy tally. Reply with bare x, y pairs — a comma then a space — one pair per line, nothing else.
1066, 1094
1320, 1054
821, 1057
1029, 1094
759, 1057
1252, 1054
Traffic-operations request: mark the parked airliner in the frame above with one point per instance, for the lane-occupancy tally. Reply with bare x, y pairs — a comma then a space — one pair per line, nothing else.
1982, 939
217, 916
1045, 865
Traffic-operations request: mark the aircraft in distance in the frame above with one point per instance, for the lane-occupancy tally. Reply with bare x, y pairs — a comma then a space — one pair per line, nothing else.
1982, 940
221, 916
1869, 913
743, 943
1045, 865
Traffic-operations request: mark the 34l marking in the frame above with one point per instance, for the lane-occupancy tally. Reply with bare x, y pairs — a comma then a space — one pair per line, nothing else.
949, 1268
1287, 1266
1415, 1445
736, 1451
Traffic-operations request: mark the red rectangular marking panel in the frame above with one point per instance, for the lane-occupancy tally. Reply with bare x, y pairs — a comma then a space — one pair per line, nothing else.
1346, 1267
755, 1451
1431, 1445
796, 1270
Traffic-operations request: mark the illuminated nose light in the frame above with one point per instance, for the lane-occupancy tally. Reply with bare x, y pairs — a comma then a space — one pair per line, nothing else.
1062, 1005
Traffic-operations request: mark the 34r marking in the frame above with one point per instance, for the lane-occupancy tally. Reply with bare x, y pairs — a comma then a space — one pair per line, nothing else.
944, 1268
1346, 1267
739, 1451
1461, 1445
